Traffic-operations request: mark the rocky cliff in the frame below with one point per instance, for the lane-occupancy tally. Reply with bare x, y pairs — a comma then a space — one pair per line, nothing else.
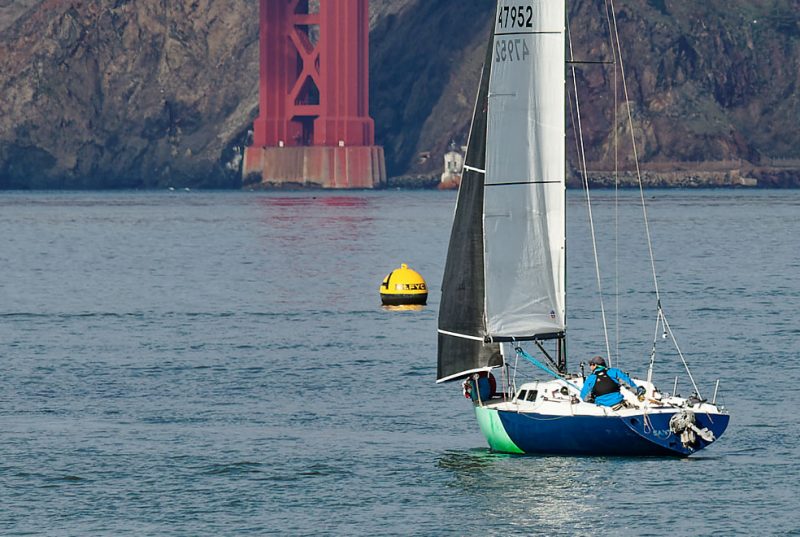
714, 87
125, 93
145, 93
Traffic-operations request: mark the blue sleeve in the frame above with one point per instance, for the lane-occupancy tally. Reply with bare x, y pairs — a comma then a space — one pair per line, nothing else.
622, 376
588, 384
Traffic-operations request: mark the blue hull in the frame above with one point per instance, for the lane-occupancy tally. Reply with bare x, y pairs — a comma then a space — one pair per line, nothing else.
603, 435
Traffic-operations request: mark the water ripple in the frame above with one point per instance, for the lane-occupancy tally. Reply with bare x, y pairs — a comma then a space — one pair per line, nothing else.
220, 363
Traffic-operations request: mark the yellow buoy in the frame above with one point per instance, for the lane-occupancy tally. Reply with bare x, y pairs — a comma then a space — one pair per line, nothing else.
403, 286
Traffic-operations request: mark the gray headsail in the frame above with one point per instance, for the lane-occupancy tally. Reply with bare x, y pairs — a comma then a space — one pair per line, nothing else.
461, 311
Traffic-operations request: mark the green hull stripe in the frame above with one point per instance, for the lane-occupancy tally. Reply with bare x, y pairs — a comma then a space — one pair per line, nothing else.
492, 428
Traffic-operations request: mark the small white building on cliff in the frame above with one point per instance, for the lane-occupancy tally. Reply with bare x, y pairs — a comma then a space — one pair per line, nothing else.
453, 167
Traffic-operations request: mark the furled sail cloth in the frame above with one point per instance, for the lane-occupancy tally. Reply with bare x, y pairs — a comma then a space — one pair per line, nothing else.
505, 271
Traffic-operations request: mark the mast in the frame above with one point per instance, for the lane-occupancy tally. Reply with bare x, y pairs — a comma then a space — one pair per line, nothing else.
561, 349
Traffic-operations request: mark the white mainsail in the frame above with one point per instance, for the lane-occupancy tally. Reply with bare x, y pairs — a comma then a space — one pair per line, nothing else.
524, 197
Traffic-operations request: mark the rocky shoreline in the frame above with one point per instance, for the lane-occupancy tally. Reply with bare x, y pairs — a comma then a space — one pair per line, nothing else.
754, 177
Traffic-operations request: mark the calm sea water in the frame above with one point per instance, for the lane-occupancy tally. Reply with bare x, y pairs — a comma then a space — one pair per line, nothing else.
191, 363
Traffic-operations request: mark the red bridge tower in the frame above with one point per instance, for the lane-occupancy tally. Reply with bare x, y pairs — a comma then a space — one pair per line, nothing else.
314, 127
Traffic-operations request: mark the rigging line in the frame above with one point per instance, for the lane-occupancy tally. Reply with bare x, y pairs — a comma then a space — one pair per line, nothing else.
506, 379
588, 62
635, 151
647, 423
685, 365
644, 206
653, 350
504, 374
468, 158
540, 365
615, 125
550, 361
582, 157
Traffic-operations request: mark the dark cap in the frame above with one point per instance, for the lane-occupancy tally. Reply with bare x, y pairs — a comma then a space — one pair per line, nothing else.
598, 360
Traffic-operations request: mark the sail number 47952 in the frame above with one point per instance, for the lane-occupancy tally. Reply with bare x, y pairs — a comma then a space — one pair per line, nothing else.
515, 17
511, 50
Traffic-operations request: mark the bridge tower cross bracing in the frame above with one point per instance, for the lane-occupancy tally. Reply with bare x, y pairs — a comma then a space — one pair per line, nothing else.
313, 126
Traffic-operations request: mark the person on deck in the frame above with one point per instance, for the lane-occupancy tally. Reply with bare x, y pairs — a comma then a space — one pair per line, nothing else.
602, 386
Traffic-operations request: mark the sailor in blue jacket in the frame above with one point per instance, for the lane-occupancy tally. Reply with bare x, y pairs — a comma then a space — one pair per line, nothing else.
602, 386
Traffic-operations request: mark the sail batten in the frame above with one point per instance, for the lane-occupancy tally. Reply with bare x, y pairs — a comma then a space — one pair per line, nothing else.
463, 336
471, 169
511, 183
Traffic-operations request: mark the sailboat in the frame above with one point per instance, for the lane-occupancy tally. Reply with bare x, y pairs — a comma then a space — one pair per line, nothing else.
504, 287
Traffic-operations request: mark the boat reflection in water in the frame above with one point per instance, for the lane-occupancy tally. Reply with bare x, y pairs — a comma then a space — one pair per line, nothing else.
550, 497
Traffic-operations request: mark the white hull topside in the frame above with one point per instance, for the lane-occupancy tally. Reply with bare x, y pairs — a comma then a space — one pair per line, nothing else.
551, 400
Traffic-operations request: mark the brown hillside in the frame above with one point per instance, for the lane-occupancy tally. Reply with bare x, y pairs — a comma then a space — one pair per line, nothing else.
153, 93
